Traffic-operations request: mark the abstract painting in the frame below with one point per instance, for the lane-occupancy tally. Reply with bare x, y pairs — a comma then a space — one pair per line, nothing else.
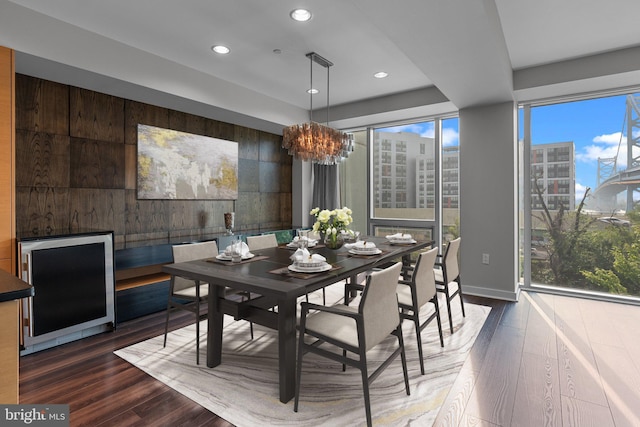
183, 166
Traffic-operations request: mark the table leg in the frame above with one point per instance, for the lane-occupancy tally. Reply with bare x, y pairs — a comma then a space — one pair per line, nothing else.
287, 348
215, 323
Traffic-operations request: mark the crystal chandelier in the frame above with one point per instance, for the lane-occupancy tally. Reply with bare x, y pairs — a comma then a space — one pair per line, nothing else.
314, 141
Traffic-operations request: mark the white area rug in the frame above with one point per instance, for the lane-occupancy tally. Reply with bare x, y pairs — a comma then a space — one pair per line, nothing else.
244, 388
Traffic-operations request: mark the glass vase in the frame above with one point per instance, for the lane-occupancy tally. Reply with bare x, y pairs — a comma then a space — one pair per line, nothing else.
333, 241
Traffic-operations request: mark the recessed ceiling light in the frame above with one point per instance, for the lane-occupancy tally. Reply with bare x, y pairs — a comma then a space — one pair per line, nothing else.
223, 50
312, 91
380, 75
300, 15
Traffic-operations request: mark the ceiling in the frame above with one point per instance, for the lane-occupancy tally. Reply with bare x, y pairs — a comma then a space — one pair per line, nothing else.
440, 55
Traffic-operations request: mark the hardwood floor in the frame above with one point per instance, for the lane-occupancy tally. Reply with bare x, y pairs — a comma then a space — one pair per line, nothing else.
551, 360
104, 390
546, 360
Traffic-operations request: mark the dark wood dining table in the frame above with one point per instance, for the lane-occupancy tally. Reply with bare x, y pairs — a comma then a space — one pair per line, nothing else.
267, 276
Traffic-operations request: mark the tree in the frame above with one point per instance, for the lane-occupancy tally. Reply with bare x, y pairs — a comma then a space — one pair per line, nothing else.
567, 231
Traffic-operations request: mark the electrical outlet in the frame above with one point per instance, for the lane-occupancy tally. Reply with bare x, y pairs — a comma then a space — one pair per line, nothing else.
485, 259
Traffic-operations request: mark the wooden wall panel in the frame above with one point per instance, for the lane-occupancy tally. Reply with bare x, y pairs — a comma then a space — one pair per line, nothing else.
96, 164
96, 116
77, 153
130, 167
270, 150
96, 209
185, 122
7, 159
43, 105
42, 159
140, 113
285, 208
222, 130
145, 216
42, 210
250, 147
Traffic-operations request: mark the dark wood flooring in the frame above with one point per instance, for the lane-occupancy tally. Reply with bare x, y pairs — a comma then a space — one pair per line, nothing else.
544, 361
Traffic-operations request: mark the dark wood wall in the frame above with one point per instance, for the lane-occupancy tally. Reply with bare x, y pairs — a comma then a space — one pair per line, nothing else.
76, 169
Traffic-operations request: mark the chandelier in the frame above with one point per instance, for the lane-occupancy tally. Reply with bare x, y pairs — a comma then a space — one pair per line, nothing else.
314, 141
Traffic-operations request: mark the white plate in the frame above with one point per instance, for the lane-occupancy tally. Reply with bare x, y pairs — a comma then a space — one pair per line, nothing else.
299, 269
403, 242
295, 245
357, 252
225, 257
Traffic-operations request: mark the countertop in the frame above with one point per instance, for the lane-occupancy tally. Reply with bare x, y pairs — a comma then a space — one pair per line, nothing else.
12, 288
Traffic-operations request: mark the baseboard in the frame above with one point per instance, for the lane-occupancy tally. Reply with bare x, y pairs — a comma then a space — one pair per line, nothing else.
491, 293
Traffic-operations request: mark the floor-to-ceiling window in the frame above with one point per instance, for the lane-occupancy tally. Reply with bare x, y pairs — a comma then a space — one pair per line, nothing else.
580, 219
414, 184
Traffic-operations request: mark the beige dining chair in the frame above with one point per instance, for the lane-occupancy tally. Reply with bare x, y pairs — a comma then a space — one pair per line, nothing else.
189, 295
355, 330
264, 241
447, 275
417, 292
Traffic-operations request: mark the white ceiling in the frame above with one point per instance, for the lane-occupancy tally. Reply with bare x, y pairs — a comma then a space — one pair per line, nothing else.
440, 55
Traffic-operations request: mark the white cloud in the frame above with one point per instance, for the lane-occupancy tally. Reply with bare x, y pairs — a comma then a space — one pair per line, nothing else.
450, 137
580, 190
427, 130
611, 138
606, 147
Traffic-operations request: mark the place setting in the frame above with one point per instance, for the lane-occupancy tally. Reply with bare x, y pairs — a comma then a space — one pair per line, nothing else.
301, 242
236, 253
401, 239
305, 264
363, 249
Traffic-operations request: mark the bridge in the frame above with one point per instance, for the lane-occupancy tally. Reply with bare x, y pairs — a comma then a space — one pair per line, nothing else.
611, 180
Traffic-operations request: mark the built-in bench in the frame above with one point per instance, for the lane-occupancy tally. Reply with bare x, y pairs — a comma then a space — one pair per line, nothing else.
141, 286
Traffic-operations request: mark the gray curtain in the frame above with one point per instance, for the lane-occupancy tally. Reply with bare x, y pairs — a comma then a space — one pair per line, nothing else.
326, 187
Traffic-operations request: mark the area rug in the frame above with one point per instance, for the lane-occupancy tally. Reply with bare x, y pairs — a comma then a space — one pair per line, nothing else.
244, 388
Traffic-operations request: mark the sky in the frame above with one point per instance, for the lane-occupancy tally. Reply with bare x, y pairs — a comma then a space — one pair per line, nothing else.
597, 127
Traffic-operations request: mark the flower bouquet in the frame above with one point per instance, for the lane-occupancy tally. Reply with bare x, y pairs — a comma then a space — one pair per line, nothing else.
331, 224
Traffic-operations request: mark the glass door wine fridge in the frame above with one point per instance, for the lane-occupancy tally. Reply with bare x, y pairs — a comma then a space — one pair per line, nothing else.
73, 280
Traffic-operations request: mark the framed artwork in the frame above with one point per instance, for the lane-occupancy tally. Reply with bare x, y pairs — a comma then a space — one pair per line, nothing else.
183, 166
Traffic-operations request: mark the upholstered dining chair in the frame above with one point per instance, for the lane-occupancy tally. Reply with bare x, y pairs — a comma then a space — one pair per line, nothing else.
187, 294
355, 330
414, 294
447, 275
264, 241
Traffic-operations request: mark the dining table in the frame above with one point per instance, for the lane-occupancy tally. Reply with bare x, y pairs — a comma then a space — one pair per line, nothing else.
275, 291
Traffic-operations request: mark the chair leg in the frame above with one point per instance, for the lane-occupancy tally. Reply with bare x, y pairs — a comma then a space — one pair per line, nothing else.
365, 386
416, 321
437, 307
403, 357
166, 325
197, 332
446, 297
460, 295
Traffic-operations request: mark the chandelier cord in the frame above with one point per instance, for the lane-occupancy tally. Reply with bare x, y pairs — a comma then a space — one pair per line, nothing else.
328, 96
311, 88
